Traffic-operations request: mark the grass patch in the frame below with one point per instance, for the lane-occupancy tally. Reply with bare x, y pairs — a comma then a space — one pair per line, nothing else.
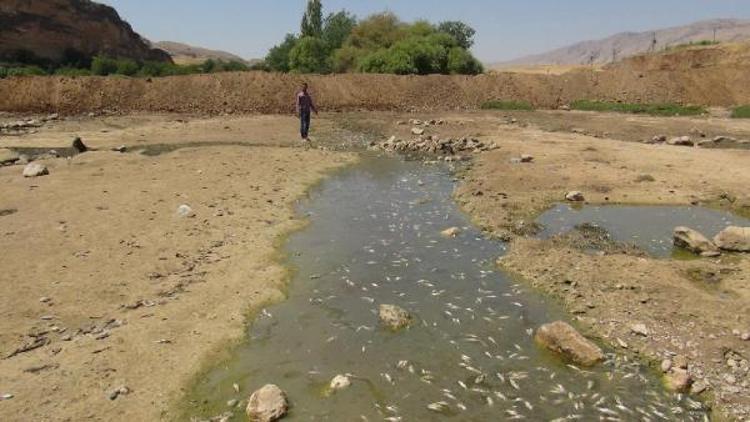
701, 43
507, 105
650, 109
741, 112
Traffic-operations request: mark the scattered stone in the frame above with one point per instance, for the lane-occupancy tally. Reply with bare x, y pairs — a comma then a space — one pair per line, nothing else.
734, 239
184, 211
574, 196
640, 329
698, 388
678, 380
267, 404
680, 361
659, 139
121, 148
35, 170
6, 396
232, 403
745, 336
340, 382
684, 141
79, 146
451, 232
694, 241
666, 365
417, 131
563, 339
8, 156
119, 391
53, 116
525, 158
394, 317
433, 145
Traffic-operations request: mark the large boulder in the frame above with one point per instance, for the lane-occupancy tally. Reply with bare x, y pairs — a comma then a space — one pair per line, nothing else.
563, 339
694, 241
34, 170
267, 404
8, 156
735, 239
394, 317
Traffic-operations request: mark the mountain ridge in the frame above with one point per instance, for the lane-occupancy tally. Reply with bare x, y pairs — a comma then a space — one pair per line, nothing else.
631, 43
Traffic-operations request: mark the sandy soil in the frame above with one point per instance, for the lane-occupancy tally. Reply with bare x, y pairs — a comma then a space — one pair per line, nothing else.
116, 289
691, 308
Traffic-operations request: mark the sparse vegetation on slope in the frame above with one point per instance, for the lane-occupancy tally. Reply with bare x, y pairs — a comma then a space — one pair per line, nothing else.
741, 112
651, 109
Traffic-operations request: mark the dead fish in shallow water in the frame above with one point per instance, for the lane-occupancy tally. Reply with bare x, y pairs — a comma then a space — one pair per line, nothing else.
439, 407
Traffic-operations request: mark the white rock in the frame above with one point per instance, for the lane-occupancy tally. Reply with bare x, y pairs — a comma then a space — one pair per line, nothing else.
340, 382
574, 196
185, 211
34, 170
640, 329
735, 239
692, 240
267, 404
417, 131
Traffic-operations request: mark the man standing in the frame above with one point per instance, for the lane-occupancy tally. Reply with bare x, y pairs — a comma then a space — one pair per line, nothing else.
304, 106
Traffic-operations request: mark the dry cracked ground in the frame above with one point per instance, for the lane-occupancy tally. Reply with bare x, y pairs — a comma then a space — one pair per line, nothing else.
113, 302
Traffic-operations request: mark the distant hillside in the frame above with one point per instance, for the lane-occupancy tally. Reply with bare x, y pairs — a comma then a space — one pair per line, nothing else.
187, 54
66, 31
632, 43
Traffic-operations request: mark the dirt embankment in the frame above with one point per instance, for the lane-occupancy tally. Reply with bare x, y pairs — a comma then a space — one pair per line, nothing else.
719, 83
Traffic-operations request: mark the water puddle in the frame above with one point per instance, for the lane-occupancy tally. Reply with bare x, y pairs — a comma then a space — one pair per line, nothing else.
374, 239
647, 227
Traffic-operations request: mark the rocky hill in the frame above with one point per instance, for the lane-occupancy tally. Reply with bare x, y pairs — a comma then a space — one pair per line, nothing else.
60, 31
188, 54
632, 43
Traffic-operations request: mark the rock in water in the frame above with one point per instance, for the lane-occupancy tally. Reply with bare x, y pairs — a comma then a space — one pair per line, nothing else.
678, 380
563, 339
451, 232
574, 196
394, 317
8, 157
692, 240
34, 170
735, 239
79, 146
267, 404
340, 382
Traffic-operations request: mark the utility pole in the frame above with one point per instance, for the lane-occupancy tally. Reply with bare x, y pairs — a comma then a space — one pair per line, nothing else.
714, 35
652, 49
614, 54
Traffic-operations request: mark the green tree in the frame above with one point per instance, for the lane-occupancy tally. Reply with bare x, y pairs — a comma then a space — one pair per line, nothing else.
461, 62
127, 67
461, 32
103, 66
346, 59
377, 31
337, 28
278, 57
312, 20
309, 55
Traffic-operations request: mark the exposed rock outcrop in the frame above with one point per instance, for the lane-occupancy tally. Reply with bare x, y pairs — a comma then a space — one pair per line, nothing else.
60, 31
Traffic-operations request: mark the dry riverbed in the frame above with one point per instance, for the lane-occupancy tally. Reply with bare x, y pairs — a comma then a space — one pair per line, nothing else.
111, 300
696, 309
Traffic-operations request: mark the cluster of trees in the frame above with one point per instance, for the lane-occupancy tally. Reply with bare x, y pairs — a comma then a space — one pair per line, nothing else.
380, 43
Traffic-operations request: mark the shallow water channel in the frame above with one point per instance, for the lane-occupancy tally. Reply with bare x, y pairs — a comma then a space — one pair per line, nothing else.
648, 227
374, 238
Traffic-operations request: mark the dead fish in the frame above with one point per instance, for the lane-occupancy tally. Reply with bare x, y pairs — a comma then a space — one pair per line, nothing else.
439, 407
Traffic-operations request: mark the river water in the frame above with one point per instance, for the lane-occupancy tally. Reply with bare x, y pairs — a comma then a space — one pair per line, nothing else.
374, 238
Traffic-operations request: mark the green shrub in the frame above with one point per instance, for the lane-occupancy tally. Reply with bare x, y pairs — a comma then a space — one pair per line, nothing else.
507, 105
651, 109
127, 67
72, 71
11, 71
462, 62
103, 66
741, 112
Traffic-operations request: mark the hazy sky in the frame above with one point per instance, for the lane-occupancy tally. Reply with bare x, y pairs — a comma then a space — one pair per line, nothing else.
505, 29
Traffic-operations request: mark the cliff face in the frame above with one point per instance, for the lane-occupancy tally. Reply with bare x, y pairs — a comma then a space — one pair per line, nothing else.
61, 31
